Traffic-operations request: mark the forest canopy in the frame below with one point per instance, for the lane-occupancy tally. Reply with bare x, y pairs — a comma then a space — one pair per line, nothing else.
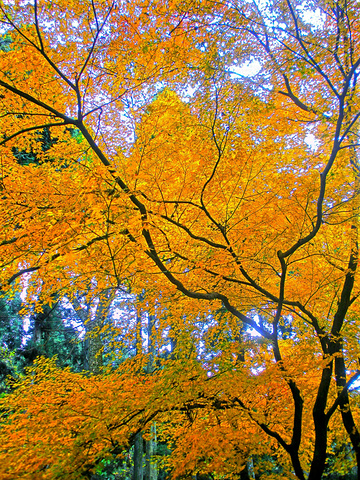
201, 220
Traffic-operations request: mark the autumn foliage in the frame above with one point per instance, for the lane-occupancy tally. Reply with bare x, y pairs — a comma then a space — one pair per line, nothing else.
227, 204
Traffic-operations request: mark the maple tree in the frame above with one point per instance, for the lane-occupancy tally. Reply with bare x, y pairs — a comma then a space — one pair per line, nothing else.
174, 174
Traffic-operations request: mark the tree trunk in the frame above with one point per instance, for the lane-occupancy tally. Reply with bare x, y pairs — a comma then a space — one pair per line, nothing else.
150, 466
321, 422
138, 457
93, 321
248, 472
93, 344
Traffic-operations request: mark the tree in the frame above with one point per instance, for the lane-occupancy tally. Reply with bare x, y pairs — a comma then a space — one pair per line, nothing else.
49, 333
11, 336
209, 200
98, 309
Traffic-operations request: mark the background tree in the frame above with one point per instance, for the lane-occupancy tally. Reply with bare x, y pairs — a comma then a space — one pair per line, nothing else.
216, 201
11, 335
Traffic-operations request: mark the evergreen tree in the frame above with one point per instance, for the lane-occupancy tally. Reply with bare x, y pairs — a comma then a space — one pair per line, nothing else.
11, 337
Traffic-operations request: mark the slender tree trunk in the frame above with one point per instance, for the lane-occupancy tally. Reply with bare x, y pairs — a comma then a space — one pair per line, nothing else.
250, 469
95, 345
93, 322
86, 354
138, 331
248, 472
151, 467
138, 457
150, 470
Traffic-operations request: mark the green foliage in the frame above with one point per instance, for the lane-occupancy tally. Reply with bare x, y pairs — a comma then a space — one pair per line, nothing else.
24, 157
48, 333
5, 42
11, 335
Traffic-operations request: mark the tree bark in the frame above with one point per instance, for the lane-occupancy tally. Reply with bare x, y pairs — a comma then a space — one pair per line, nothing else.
93, 323
151, 467
150, 445
138, 457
